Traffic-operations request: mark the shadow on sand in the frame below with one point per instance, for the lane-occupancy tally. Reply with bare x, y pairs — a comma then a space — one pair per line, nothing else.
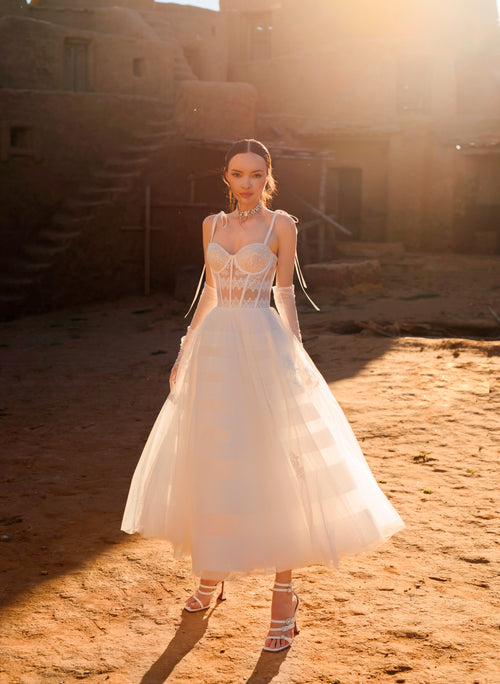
76, 419
267, 667
190, 632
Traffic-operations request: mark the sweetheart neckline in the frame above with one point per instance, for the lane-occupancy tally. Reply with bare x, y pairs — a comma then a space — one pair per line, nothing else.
250, 244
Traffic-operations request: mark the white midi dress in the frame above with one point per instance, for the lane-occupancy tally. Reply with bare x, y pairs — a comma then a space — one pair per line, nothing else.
251, 465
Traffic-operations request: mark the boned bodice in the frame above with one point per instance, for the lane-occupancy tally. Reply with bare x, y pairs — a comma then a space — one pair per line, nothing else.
243, 279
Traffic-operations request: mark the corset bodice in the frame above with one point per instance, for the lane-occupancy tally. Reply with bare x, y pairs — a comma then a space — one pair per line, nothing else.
243, 279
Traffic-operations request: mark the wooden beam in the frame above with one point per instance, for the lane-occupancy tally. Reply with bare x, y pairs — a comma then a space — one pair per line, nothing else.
316, 211
309, 224
152, 228
147, 241
322, 207
148, 228
184, 205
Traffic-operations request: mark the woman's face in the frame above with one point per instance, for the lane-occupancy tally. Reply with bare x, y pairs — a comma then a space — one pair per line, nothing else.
247, 176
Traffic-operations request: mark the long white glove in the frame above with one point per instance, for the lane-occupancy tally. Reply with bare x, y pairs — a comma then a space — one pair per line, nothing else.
207, 301
284, 298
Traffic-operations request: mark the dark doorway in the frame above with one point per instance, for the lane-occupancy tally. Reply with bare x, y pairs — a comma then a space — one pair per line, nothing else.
477, 214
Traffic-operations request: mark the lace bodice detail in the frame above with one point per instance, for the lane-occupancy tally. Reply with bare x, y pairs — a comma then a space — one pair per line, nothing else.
243, 279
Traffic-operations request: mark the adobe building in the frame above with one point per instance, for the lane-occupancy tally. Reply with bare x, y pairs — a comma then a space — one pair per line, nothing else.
403, 96
382, 118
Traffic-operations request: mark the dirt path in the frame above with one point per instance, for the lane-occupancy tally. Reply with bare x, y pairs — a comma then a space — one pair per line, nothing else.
84, 601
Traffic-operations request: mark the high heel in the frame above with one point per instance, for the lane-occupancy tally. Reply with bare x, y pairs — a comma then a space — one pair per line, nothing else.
287, 624
211, 588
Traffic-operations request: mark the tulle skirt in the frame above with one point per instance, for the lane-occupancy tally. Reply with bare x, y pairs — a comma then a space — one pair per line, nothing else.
251, 464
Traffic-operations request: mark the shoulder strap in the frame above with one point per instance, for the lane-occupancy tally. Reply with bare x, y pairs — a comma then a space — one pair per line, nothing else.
298, 270
214, 223
270, 229
200, 281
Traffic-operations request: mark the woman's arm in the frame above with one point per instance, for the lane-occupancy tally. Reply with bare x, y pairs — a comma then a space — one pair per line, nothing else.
207, 236
286, 231
207, 301
284, 291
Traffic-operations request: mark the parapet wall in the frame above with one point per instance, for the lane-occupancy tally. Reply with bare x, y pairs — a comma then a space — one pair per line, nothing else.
32, 56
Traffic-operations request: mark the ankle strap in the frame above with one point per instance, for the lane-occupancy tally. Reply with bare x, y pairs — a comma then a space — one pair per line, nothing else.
211, 588
279, 586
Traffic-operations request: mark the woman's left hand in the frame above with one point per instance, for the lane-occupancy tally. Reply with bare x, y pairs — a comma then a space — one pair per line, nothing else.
173, 375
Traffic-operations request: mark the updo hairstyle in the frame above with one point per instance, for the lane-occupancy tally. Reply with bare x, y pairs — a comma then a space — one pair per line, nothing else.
251, 145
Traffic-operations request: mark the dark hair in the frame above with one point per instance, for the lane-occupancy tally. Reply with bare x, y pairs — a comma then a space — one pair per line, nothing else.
251, 145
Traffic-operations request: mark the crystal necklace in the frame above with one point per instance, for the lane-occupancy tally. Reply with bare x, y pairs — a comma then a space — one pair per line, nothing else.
243, 215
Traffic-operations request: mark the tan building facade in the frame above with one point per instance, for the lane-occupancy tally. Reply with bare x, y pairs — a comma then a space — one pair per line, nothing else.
406, 94
385, 116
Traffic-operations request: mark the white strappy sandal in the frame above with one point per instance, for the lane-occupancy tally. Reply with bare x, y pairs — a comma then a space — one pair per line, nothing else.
286, 625
211, 589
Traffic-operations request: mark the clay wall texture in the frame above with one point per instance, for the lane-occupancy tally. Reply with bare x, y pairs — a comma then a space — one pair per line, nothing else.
203, 36
75, 132
422, 79
346, 56
107, 261
218, 111
402, 97
32, 56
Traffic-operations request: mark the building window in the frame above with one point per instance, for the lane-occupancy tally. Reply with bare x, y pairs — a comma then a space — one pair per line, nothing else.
139, 66
76, 65
413, 87
259, 35
21, 138
18, 140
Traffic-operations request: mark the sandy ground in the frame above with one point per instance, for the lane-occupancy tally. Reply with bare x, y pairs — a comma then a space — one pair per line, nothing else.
81, 600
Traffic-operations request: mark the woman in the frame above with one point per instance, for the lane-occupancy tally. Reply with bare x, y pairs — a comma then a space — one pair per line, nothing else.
251, 464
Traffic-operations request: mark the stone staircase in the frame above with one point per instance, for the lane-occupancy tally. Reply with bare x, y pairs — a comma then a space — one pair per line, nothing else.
110, 182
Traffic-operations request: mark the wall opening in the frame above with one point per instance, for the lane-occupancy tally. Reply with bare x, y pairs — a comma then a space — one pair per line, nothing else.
259, 35
477, 213
76, 65
21, 138
17, 140
139, 66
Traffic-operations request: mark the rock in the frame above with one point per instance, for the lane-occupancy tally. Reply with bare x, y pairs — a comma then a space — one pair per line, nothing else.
343, 274
370, 250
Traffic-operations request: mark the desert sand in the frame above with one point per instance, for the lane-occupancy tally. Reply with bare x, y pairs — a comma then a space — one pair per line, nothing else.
83, 601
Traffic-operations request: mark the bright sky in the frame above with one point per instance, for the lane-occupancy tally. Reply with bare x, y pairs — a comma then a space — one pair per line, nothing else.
208, 4
214, 4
